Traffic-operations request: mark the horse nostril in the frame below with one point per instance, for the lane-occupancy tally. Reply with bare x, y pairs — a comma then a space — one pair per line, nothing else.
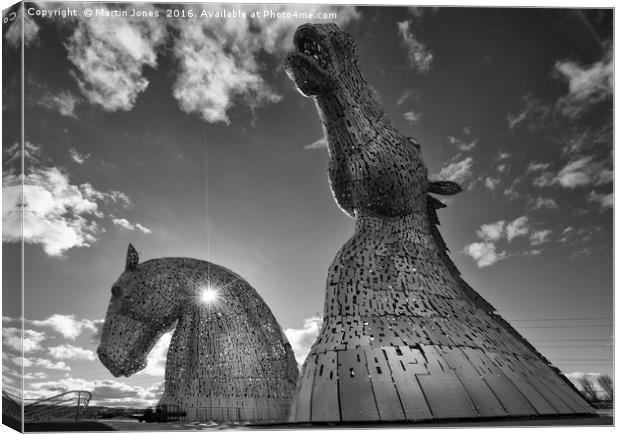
103, 357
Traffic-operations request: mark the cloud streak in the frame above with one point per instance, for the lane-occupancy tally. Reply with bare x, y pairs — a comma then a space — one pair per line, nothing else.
67, 325
412, 116
317, 144
587, 85
71, 352
457, 171
124, 223
64, 103
579, 172
420, 58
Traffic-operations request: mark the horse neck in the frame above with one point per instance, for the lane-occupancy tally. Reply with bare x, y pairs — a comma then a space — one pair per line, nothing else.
350, 104
170, 276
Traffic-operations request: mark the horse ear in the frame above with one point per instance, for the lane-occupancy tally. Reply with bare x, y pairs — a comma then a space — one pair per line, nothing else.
445, 188
132, 258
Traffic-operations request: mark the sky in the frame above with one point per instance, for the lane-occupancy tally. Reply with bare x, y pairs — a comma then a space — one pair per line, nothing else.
186, 138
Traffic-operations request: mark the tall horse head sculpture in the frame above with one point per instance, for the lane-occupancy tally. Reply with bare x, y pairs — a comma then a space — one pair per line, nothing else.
228, 358
404, 337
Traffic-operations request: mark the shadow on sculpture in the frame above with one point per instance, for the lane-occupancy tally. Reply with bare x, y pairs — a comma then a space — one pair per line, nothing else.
403, 336
228, 359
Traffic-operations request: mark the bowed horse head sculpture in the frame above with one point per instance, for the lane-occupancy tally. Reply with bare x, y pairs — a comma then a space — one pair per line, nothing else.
228, 359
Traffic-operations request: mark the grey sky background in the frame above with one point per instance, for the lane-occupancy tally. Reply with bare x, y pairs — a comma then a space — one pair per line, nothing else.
185, 138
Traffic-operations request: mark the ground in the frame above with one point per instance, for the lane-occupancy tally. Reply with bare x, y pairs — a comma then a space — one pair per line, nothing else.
134, 425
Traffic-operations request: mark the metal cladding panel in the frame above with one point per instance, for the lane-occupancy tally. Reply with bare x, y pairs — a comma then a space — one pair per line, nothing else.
510, 397
263, 411
248, 413
521, 382
405, 363
576, 402
539, 381
356, 398
479, 392
546, 387
443, 390
560, 388
325, 405
303, 396
388, 402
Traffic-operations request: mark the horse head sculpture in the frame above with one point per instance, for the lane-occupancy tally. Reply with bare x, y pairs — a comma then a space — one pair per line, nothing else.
404, 337
227, 350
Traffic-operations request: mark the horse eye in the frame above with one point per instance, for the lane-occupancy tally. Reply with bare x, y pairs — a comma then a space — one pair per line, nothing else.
116, 291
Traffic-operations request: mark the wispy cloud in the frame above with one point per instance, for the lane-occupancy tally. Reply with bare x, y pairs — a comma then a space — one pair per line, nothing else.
457, 171
317, 144
543, 202
43, 363
581, 235
517, 228
77, 157
540, 237
583, 253
71, 352
582, 172
124, 223
587, 85
67, 325
577, 173
64, 103
412, 116
511, 192
420, 58
110, 55
143, 229
301, 339
491, 183
462, 144
536, 167
532, 112
407, 95
606, 201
